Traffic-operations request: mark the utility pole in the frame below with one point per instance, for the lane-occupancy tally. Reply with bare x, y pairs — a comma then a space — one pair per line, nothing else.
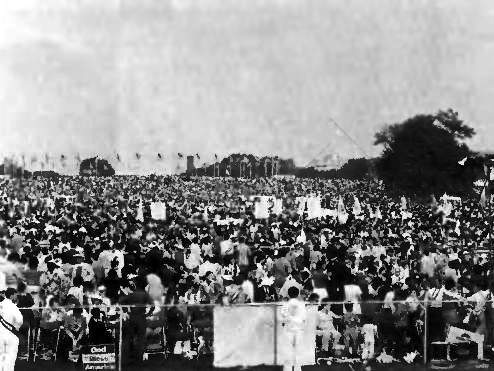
491, 252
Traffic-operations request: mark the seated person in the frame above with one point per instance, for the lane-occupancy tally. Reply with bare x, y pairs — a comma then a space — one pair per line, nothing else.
326, 327
98, 333
351, 321
74, 334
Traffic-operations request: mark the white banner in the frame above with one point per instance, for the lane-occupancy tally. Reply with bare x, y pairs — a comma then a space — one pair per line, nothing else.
267, 205
158, 210
245, 336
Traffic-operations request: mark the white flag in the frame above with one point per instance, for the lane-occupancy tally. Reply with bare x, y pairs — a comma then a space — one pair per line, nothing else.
357, 209
371, 213
483, 199
342, 214
140, 213
341, 206
378, 214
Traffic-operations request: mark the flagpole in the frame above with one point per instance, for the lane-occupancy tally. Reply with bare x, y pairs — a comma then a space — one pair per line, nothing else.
489, 167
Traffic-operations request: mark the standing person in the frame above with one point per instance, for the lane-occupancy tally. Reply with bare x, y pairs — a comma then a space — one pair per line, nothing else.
350, 335
112, 282
353, 294
134, 330
244, 254
294, 316
320, 281
369, 330
10, 321
281, 269
32, 276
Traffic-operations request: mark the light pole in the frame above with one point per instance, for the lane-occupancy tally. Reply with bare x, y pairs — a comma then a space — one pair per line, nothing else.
488, 165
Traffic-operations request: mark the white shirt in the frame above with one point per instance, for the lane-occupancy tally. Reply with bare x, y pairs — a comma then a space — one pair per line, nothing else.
294, 315
248, 289
480, 298
370, 331
11, 313
435, 296
289, 282
194, 259
226, 247
209, 267
388, 301
3, 282
326, 319
352, 295
106, 257
78, 293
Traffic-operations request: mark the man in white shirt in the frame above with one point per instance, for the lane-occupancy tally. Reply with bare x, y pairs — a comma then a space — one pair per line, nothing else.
247, 287
294, 316
107, 256
10, 321
352, 295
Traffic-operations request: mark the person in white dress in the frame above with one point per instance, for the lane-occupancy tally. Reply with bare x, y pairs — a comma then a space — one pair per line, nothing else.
294, 316
10, 321
369, 330
326, 326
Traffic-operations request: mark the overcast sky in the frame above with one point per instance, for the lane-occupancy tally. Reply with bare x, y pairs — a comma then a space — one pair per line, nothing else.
223, 76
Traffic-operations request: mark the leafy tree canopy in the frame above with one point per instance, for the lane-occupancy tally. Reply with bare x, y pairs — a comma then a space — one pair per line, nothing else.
421, 154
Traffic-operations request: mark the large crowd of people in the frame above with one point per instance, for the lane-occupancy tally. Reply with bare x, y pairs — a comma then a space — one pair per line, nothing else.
372, 267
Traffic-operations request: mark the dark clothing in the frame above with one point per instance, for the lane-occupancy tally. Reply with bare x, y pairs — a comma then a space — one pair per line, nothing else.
134, 340
265, 294
177, 329
133, 246
98, 333
140, 298
32, 277
320, 280
134, 329
112, 283
26, 301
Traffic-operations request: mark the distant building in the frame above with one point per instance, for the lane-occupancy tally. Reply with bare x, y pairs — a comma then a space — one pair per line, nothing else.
190, 164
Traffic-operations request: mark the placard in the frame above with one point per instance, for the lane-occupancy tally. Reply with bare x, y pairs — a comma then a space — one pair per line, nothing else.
99, 357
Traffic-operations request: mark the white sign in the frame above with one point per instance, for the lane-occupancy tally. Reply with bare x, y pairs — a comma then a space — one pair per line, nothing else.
158, 210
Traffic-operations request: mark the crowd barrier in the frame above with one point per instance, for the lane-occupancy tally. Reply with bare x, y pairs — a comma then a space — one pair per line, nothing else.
119, 337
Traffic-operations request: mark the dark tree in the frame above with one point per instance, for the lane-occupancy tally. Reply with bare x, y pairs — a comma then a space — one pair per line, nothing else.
96, 166
421, 155
355, 169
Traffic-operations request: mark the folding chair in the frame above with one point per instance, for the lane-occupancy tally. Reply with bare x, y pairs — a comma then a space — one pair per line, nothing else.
37, 342
21, 355
162, 350
203, 345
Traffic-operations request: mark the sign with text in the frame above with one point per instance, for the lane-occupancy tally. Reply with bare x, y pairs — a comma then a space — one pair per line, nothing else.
99, 357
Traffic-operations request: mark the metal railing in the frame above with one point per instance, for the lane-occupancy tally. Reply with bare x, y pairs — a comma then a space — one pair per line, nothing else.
115, 337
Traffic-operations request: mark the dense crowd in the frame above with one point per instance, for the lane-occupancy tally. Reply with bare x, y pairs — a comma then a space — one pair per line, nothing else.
84, 242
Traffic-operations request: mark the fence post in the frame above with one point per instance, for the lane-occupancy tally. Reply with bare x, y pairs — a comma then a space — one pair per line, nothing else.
120, 339
425, 332
275, 334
